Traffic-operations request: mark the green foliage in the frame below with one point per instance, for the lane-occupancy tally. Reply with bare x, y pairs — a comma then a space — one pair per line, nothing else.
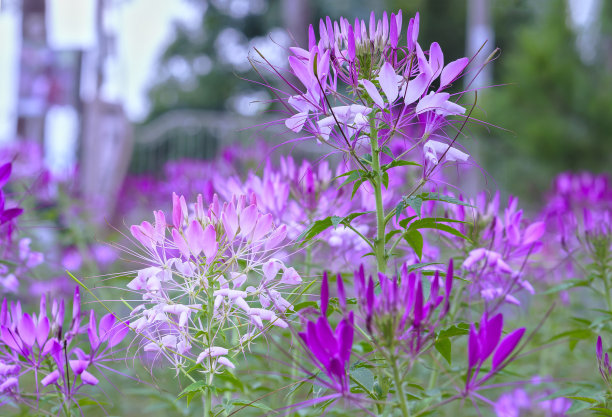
556, 104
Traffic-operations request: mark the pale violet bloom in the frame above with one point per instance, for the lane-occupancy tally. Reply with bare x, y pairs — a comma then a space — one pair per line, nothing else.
433, 149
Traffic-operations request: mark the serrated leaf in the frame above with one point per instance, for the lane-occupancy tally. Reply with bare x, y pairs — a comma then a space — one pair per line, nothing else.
444, 347
415, 203
398, 209
314, 229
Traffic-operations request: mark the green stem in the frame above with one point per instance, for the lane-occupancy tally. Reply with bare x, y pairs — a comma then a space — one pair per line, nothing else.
604, 276
376, 181
399, 389
208, 397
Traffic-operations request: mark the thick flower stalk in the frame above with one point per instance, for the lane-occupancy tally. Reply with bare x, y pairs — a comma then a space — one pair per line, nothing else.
61, 364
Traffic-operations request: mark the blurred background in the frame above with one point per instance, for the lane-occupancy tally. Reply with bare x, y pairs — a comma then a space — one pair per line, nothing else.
106, 93
109, 106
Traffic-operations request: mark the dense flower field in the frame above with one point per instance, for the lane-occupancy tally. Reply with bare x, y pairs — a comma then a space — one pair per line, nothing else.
361, 283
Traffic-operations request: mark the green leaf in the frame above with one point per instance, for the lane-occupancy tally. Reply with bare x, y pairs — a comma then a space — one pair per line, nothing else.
387, 150
352, 176
414, 267
314, 229
404, 222
585, 399
444, 347
415, 239
263, 407
459, 329
385, 180
353, 216
579, 334
429, 224
336, 220
398, 163
415, 203
364, 377
602, 411
304, 304
198, 386
389, 235
356, 187
367, 157
398, 209
444, 198
566, 285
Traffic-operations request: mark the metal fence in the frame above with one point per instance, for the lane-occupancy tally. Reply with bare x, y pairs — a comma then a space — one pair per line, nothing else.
196, 134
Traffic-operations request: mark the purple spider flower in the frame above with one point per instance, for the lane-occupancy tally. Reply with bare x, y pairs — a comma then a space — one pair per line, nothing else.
330, 350
484, 343
603, 362
391, 87
399, 317
39, 344
518, 402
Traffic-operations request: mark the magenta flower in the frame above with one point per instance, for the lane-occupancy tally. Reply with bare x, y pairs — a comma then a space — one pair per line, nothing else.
399, 317
603, 362
39, 344
330, 350
484, 343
